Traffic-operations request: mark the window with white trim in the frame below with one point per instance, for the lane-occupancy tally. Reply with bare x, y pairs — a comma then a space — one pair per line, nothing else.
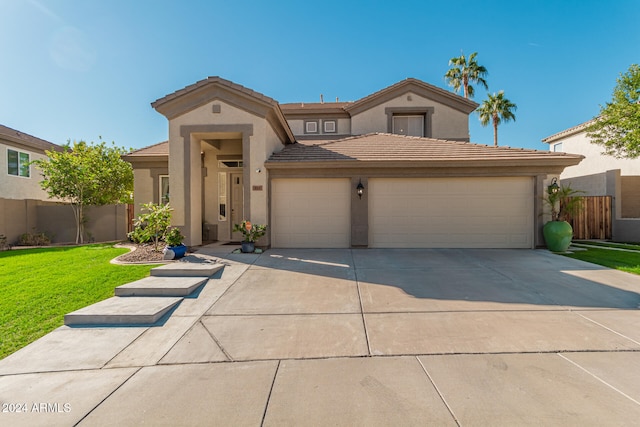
557, 147
164, 189
410, 125
329, 126
18, 163
311, 126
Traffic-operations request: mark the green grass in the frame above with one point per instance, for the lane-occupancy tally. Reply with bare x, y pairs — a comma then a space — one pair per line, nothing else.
630, 246
620, 260
39, 286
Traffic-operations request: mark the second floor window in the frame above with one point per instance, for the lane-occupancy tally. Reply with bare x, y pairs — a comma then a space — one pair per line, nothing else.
410, 125
18, 163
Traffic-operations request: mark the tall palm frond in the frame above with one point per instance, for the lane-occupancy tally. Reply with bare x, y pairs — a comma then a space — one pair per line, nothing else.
464, 72
496, 109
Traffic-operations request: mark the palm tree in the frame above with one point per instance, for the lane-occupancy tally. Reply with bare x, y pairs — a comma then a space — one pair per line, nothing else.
496, 109
465, 71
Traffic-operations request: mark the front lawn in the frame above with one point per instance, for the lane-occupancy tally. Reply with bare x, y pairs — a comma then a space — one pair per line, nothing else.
39, 286
620, 260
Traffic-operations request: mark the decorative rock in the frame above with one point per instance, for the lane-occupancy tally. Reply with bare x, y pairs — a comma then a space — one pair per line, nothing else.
168, 253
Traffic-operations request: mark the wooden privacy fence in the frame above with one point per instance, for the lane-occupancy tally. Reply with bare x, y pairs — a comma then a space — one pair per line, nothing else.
593, 221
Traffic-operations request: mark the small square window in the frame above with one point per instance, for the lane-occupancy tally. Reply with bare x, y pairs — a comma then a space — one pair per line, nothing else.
329, 126
557, 147
18, 163
311, 127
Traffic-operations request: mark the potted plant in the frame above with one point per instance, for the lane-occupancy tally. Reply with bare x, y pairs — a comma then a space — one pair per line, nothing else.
250, 233
173, 238
562, 201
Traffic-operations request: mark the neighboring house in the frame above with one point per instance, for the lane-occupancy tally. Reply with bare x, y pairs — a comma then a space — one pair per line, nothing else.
20, 191
26, 208
602, 175
235, 154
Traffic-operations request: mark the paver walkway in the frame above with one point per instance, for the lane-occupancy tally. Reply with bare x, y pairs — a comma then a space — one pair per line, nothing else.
355, 337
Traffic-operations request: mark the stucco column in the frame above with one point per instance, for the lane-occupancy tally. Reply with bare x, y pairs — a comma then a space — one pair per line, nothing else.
185, 181
539, 189
359, 213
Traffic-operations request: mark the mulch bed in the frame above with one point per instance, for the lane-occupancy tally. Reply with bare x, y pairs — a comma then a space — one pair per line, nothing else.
142, 253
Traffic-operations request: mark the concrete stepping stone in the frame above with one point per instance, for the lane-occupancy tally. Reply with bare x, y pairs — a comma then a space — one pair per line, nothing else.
123, 311
186, 269
155, 286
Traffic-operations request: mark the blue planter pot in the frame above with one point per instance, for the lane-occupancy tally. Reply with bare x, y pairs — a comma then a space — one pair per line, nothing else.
179, 250
248, 247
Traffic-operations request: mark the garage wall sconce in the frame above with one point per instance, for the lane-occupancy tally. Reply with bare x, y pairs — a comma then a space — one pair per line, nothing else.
553, 187
360, 189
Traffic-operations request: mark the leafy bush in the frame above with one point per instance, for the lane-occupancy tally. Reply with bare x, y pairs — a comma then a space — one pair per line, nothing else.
173, 237
153, 224
34, 239
250, 232
4, 246
139, 236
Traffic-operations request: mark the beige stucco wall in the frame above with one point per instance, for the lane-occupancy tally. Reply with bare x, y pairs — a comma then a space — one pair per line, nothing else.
343, 127
260, 144
146, 183
17, 187
594, 161
447, 123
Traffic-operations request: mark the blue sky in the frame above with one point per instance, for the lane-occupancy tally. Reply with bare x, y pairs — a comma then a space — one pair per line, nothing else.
80, 69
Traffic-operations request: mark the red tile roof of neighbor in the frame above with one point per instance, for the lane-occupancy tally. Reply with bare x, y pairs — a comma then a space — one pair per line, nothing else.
382, 147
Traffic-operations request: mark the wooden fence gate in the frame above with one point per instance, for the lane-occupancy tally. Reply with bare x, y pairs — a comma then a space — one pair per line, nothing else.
594, 219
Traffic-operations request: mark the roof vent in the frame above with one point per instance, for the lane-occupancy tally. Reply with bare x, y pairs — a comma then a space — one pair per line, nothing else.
321, 99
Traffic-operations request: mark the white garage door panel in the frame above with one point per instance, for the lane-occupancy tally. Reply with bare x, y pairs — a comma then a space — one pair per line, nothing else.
311, 213
451, 212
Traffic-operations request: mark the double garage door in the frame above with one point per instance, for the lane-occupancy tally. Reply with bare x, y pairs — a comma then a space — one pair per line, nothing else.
406, 212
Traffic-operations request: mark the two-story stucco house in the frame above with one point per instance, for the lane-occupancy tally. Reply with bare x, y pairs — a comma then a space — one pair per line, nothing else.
20, 190
393, 169
602, 175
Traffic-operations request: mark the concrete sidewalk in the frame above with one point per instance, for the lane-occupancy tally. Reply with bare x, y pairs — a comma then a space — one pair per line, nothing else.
354, 337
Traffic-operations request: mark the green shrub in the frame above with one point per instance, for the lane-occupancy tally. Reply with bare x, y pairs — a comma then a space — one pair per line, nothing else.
4, 246
173, 237
153, 224
34, 239
139, 236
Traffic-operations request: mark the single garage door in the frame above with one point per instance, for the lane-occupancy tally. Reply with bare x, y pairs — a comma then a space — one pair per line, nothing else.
311, 213
451, 212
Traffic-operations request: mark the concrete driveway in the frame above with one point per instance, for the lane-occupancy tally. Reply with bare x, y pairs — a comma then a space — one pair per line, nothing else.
354, 337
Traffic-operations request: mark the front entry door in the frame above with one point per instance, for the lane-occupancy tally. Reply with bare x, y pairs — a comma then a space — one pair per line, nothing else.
237, 203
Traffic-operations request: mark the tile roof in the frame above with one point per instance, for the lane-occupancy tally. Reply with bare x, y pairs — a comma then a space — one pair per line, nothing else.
301, 108
423, 88
567, 132
26, 139
159, 149
212, 80
382, 147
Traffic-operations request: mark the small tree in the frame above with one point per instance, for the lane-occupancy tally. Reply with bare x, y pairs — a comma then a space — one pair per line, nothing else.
563, 202
153, 224
617, 128
87, 175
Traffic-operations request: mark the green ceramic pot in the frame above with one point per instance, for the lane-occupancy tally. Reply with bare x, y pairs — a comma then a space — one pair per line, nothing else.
557, 235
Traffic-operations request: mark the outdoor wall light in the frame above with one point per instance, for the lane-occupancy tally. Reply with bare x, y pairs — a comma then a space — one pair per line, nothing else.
554, 187
360, 189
